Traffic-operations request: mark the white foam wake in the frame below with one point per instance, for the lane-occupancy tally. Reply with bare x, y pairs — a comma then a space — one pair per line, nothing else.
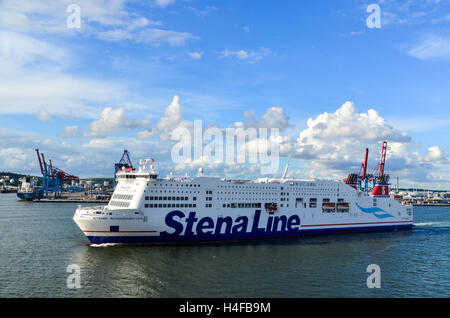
103, 245
434, 224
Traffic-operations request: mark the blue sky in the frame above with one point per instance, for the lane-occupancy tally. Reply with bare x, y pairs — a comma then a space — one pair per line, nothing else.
229, 62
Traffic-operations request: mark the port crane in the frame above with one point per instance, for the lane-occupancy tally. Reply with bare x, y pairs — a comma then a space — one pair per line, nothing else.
377, 181
53, 177
124, 163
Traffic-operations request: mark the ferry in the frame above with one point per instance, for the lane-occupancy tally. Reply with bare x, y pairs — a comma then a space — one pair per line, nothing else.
145, 208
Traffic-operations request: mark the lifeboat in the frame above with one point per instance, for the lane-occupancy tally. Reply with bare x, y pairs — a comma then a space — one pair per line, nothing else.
271, 206
329, 207
343, 207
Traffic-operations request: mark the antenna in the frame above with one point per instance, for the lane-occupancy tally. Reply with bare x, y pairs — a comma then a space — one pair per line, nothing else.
285, 170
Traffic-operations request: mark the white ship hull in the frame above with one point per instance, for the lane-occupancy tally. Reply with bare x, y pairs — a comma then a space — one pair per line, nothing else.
144, 209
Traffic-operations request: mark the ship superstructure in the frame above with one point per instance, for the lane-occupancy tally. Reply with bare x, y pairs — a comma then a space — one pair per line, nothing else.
147, 209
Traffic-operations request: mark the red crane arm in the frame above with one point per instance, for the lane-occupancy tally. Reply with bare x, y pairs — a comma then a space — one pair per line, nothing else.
382, 159
365, 164
40, 162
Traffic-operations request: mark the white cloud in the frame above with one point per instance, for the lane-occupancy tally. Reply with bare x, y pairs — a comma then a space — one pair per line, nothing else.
153, 36
164, 3
195, 55
109, 20
251, 56
113, 121
13, 157
171, 120
336, 141
431, 47
202, 12
21, 52
71, 132
50, 16
148, 133
43, 115
274, 117
331, 145
435, 154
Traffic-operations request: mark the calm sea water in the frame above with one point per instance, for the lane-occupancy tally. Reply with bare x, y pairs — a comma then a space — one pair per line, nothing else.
39, 240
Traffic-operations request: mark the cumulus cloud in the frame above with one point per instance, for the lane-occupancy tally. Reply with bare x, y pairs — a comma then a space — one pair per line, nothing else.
114, 121
43, 115
331, 145
435, 154
148, 133
336, 141
171, 120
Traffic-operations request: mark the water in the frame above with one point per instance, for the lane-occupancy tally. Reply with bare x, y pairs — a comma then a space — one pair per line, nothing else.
39, 240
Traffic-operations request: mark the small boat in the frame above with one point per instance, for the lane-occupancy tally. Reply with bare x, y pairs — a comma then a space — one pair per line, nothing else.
8, 190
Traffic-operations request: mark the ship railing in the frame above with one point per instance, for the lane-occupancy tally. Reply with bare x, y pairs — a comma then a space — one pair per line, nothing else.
97, 207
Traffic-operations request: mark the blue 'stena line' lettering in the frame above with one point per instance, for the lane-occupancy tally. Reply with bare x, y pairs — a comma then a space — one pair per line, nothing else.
227, 226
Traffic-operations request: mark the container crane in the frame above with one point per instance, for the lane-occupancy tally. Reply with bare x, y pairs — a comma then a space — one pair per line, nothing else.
124, 163
378, 180
53, 177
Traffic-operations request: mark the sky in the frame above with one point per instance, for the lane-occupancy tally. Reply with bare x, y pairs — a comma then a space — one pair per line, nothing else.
132, 72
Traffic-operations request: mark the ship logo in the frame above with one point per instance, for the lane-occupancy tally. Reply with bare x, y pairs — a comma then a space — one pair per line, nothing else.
379, 213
